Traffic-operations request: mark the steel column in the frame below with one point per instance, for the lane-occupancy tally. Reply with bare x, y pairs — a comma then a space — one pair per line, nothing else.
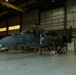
39, 16
7, 23
65, 16
20, 22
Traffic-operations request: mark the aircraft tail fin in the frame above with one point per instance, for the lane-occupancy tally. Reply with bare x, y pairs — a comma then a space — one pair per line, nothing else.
69, 34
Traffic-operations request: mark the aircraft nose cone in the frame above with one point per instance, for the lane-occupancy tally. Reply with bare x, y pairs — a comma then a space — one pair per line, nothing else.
7, 42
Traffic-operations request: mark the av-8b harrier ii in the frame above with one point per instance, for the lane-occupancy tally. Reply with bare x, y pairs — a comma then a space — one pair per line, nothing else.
33, 37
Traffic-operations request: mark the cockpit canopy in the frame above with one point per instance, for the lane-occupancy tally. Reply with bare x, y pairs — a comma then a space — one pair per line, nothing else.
29, 30
33, 30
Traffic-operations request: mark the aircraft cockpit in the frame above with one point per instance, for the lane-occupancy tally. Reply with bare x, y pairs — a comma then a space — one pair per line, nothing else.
32, 30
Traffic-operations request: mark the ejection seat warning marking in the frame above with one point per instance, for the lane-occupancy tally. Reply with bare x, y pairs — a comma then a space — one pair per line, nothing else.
19, 40
28, 38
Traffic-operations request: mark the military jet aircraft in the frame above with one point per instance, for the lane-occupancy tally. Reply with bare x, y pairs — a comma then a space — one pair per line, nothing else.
34, 37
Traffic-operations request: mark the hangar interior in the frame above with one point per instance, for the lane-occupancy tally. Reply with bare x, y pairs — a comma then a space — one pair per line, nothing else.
49, 15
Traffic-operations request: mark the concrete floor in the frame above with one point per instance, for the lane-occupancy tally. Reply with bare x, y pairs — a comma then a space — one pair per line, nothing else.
34, 64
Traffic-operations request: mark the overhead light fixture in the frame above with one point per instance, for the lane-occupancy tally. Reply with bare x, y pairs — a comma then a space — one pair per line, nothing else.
6, 0
53, 0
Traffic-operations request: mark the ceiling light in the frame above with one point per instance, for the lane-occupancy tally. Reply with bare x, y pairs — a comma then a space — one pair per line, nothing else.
6, 0
53, 0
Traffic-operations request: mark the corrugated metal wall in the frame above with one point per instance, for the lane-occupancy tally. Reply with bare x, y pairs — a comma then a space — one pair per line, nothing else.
30, 19
53, 19
71, 17
50, 20
71, 13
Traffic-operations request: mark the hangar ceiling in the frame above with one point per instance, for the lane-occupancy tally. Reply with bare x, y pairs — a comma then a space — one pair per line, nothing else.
29, 4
